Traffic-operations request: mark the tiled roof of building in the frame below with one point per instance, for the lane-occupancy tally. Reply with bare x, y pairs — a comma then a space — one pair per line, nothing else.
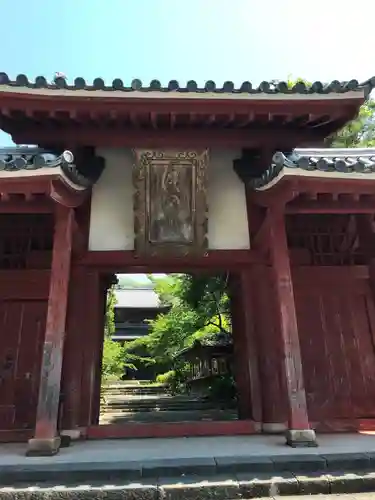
343, 161
266, 87
27, 159
214, 340
144, 298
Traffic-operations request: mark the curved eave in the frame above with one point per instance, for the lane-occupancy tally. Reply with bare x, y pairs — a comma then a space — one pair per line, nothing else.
30, 174
40, 176
108, 115
60, 100
302, 179
26, 108
305, 166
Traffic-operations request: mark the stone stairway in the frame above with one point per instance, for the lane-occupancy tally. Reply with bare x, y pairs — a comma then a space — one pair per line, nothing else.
131, 402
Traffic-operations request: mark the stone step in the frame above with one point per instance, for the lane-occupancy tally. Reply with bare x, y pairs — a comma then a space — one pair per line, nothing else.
199, 478
122, 417
149, 409
127, 386
151, 398
142, 403
126, 392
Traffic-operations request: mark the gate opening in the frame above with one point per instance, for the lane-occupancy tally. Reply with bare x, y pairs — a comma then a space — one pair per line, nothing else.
168, 350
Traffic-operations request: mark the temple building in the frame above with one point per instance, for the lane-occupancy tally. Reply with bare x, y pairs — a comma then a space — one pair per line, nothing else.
148, 179
134, 308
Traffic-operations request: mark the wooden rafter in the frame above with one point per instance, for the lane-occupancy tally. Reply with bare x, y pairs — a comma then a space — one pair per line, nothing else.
149, 138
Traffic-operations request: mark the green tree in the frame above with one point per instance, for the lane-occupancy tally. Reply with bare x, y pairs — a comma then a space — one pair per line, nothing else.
360, 132
109, 326
114, 358
199, 306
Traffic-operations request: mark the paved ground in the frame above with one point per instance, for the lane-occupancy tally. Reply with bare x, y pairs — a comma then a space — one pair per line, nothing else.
206, 468
197, 447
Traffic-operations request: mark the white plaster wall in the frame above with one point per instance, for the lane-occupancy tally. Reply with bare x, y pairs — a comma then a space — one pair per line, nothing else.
111, 222
227, 223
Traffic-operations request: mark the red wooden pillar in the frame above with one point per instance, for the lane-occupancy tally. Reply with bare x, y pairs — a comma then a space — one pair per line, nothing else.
97, 356
271, 370
93, 341
245, 348
46, 440
299, 432
75, 345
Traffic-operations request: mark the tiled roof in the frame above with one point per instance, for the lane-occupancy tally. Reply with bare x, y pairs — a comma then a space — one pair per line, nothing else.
218, 340
30, 158
271, 87
351, 160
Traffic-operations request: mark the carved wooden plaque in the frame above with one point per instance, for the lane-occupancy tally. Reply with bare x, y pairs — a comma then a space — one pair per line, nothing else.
170, 206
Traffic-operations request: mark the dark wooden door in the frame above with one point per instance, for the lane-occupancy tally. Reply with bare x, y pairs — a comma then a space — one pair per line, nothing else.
337, 344
22, 325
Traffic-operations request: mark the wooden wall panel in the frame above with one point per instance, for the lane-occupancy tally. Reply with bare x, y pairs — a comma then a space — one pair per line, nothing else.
334, 310
22, 325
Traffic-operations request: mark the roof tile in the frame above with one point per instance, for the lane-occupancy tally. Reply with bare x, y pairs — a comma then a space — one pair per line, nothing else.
358, 160
32, 158
271, 87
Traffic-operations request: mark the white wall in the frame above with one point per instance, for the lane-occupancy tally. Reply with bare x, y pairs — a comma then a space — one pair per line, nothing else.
111, 224
227, 223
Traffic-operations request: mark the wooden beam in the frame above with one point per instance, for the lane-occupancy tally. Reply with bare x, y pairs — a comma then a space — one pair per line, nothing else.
183, 104
333, 185
278, 195
150, 138
127, 261
330, 207
27, 207
63, 195
278, 247
45, 441
260, 239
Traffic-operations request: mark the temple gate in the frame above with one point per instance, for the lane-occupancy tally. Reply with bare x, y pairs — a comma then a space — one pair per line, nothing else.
153, 179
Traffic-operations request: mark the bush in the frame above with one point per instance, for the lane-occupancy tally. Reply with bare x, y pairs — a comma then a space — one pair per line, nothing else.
223, 387
167, 377
113, 360
174, 379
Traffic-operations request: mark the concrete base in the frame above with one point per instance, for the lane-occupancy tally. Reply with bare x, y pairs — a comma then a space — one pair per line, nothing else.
43, 447
304, 438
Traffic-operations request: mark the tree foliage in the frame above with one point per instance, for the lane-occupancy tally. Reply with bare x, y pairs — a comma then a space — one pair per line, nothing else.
360, 132
113, 360
109, 325
199, 306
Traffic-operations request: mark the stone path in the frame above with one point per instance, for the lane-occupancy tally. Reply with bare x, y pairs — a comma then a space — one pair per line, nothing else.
129, 402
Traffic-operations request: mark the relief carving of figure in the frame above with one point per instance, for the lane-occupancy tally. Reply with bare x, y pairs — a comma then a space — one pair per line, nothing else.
172, 218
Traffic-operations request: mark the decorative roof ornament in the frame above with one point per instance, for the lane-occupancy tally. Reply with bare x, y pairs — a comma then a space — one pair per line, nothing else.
58, 76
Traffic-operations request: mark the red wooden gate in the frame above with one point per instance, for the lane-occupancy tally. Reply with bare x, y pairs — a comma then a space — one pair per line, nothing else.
335, 312
22, 325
